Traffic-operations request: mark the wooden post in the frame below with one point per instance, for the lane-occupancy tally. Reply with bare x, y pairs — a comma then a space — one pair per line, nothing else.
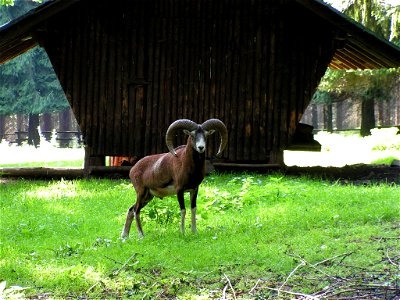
92, 160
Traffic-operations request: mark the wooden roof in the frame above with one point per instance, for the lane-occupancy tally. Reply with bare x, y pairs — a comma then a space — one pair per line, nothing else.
358, 48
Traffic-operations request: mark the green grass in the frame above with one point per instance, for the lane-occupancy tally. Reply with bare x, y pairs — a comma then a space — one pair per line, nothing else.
384, 161
51, 164
47, 155
60, 239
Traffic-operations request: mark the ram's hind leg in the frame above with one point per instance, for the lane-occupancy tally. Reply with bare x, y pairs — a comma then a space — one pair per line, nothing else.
193, 199
128, 222
181, 200
142, 198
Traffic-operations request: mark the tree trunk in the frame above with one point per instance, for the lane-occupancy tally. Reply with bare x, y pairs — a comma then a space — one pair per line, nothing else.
340, 115
328, 117
387, 119
20, 133
314, 116
47, 126
380, 114
64, 127
367, 116
33, 132
2, 127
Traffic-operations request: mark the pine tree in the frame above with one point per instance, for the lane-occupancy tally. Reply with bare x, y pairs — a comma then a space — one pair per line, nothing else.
28, 84
371, 85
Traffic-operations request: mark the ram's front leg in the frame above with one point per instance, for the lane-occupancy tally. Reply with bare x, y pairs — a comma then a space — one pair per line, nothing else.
193, 199
181, 200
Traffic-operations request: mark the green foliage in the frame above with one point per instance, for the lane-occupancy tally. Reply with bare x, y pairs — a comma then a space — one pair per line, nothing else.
13, 9
322, 97
381, 17
28, 84
384, 161
11, 2
60, 239
383, 20
377, 84
6, 2
372, 14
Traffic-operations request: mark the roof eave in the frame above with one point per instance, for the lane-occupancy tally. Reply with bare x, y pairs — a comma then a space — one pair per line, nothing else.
358, 40
19, 34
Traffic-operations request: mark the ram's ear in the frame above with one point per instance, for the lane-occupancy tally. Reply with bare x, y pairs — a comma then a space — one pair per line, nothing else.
187, 132
210, 132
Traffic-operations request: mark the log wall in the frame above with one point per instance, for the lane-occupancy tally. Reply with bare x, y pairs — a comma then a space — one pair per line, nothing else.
131, 67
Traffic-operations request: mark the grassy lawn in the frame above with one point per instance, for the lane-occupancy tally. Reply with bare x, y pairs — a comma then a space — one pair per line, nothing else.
348, 148
50, 164
47, 155
260, 236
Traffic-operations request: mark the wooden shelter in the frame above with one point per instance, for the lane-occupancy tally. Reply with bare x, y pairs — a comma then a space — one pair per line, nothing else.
131, 67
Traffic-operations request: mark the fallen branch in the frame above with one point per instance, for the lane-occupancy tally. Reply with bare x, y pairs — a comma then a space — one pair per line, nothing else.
357, 286
116, 273
224, 291
254, 287
94, 285
293, 293
230, 285
381, 238
344, 255
303, 263
390, 260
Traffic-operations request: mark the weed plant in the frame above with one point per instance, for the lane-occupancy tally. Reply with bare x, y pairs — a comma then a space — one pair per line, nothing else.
60, 239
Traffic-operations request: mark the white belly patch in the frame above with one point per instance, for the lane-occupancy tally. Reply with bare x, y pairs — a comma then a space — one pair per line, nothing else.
163, 192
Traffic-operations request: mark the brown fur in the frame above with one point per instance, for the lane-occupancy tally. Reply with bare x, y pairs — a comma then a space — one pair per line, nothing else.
165, 174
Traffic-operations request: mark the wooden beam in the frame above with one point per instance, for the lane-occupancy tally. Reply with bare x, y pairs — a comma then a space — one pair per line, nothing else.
42, 173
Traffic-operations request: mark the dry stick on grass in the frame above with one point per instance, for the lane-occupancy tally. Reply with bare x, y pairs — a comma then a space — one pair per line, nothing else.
357, 297
115, 273
303, 263
355, 285
230, 285
294, 293
224, 291
390, 260
314, 266
344, 255
254, 287
377, 291
341, 285
382, 238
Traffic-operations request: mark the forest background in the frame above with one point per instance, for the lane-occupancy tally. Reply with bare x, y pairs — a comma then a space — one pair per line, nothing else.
32, 100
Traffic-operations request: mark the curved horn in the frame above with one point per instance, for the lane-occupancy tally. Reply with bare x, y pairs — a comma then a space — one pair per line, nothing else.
218, 125
178, 125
